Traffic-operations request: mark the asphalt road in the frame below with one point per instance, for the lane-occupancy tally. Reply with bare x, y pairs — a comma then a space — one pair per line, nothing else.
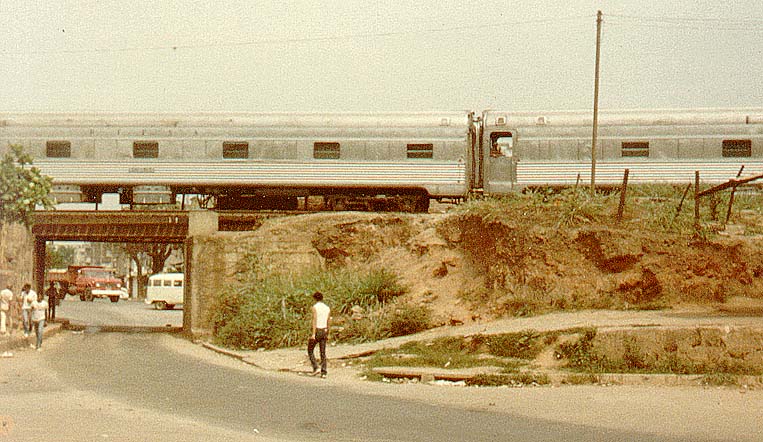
127, 313
143, 371
153, 386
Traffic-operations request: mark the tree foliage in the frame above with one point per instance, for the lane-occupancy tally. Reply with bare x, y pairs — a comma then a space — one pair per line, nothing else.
59, 257
22, 187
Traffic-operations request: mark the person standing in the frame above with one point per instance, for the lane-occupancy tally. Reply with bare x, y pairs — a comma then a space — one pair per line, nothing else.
28, 296
6, 298
39, 308
52, 293
319, 334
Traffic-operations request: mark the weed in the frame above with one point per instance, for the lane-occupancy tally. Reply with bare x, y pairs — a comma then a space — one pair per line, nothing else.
580, 354
720, 379
582, 379
523, 345
513, 379
406, 320
271, 310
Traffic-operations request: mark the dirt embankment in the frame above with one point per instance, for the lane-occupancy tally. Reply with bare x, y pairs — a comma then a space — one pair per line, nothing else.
466, 269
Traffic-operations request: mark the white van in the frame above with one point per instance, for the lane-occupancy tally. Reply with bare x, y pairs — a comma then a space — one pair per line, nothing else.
165, 290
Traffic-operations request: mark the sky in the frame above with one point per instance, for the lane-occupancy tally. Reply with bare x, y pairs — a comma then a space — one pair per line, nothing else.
353, 55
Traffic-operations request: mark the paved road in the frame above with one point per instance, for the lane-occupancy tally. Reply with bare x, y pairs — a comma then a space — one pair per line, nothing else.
128, 313
159, 373
140, 386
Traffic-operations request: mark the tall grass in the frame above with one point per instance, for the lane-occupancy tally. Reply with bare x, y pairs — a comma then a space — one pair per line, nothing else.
270, 310
653, 207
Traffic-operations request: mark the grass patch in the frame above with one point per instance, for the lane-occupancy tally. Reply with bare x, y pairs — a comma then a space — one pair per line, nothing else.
271, 310
507, 351
581, 355
514, 380
582, 379
453, 353
720, 380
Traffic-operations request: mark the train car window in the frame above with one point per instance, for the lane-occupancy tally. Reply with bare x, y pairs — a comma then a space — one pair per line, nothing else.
177, 283
737, 148
58, 149
501, 144
145, 149
420, 150
235, 149
326, 151
635, 149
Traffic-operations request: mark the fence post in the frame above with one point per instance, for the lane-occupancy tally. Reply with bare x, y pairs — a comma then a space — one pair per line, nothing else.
623, 189
696, 200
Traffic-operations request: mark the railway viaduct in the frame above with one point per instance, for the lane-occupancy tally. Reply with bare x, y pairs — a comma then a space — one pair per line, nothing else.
174, 227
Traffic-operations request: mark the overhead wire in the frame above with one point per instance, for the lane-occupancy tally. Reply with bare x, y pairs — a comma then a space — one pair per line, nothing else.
316, 39
694, 23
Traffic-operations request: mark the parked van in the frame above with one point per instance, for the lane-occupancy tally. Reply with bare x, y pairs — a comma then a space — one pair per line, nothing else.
165, 290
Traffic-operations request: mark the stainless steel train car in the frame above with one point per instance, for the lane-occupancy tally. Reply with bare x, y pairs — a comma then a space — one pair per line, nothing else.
375, 161
395, 161
524, 149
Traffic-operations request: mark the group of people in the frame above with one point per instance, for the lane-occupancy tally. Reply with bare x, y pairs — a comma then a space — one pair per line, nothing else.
31, 308
34, 313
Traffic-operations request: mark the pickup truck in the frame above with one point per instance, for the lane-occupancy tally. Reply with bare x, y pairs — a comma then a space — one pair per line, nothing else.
88, 282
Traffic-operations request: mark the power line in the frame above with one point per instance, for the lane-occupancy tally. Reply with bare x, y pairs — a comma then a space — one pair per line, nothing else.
696, 23
318, 39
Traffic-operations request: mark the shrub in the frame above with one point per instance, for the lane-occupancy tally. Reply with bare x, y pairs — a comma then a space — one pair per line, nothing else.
523, 345
580, 354
271, 310
406, 320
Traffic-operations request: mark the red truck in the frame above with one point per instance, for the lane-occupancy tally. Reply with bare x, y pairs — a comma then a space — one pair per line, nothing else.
88, 282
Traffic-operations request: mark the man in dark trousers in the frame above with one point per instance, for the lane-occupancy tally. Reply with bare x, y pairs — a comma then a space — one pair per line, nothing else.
52, 293
319, 333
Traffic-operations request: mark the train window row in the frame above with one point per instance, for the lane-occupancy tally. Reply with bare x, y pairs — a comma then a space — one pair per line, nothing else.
729, 149
236, 150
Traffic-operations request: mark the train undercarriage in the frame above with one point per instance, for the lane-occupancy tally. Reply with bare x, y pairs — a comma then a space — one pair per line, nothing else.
353, 199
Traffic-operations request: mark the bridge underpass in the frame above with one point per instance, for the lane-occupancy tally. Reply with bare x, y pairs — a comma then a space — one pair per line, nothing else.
162, 227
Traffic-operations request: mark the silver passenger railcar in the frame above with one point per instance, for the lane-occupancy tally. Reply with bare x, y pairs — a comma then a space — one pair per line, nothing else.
522, 149
374, 161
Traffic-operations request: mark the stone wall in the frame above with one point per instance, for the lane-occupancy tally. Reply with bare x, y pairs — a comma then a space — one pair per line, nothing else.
16, 256
212, 262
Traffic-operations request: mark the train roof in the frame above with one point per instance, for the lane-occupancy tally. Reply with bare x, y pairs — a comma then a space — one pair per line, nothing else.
239, 119
635, 117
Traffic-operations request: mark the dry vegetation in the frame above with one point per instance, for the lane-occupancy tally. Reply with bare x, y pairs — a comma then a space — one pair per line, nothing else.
524, 255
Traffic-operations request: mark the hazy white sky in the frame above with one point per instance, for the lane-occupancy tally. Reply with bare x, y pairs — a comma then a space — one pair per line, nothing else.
353, 55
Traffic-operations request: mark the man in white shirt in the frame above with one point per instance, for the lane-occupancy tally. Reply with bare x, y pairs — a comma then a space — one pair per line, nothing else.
28, 296
6, 297
319, 333
39, 308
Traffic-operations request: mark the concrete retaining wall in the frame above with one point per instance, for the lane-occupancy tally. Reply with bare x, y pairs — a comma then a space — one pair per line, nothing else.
16, 256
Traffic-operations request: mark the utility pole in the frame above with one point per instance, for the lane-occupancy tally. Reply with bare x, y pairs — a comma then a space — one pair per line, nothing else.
595, 104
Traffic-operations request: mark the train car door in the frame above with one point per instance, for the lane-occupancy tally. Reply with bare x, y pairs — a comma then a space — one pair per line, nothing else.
501, 170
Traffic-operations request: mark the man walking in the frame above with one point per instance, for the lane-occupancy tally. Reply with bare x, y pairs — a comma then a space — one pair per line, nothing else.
28, 296
319, 334
6, 297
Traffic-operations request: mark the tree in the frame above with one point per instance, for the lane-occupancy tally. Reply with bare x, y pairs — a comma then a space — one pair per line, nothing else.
148, 255
59, 257
22, 187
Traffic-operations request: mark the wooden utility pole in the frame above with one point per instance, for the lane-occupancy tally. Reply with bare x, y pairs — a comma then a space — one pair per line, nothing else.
595, 104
